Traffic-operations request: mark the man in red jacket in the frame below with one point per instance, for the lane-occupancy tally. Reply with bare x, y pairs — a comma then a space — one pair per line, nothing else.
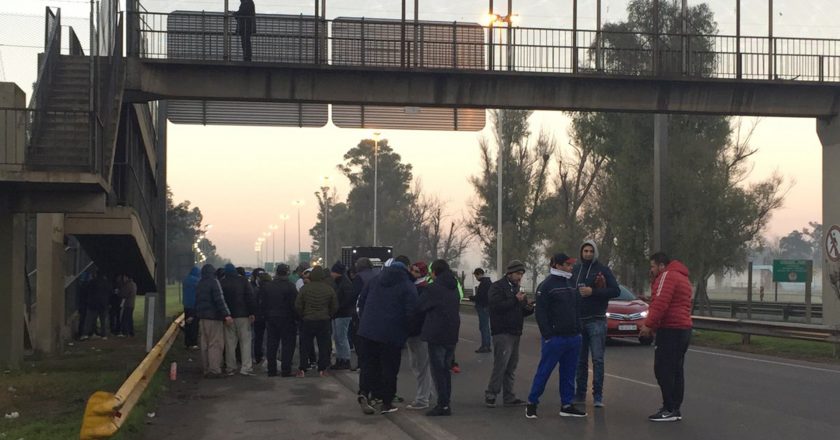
670, 317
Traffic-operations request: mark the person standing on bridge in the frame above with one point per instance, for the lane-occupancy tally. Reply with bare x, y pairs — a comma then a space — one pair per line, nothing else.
669, 316
246, 25
597, 286
558, 316
213, 314
508, 308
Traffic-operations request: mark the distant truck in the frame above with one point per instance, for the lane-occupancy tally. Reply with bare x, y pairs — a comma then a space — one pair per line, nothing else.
378, 255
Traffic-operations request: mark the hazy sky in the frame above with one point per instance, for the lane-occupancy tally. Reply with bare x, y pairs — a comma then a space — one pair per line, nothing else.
243, 178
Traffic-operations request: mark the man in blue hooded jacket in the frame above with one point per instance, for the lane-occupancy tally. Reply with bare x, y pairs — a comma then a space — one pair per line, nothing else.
384, 306
597, 286
188, 299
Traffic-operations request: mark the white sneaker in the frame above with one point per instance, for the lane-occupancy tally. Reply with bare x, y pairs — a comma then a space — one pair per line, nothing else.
246, 372
417, 405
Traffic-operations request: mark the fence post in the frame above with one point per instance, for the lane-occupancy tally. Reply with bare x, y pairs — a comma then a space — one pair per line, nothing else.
454, 44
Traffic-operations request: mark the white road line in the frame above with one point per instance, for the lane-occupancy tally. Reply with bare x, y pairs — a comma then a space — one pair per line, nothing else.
631, 380
763, 361
467, 340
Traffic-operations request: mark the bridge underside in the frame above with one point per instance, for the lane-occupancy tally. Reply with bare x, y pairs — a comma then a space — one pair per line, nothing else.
152, 80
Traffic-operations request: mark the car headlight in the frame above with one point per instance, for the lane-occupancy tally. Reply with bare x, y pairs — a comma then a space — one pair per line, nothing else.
610, 315
644, 314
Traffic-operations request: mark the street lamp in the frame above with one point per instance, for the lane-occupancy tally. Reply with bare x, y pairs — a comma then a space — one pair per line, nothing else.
273, 227
257, 250
298, 203
325, 189
265, 238
510, 20
375, 180
284, 217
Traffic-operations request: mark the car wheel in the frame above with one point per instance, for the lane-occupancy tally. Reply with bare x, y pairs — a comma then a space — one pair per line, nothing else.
645, 341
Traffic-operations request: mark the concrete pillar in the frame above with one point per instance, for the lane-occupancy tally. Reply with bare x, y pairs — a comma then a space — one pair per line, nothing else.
49, 319
828, 131
12, 134
660, 195
12, 273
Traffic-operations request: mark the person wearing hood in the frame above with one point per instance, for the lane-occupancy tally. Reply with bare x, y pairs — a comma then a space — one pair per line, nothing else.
239, 297
597, 287
508, 308
669, 316
246, 26
188, 299
442, 321
316, 304
276, 299
341, 324
213, 314
384, 306
418, 349
558, 316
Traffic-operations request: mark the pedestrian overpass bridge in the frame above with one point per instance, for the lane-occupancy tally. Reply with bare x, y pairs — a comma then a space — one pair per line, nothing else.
84, 163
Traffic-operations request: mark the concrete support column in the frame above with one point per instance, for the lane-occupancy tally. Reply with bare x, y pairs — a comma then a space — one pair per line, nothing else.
828, 131
12, 273
660, 194
49, 319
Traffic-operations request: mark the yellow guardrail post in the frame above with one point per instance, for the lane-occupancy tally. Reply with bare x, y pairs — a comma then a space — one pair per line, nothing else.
106, 412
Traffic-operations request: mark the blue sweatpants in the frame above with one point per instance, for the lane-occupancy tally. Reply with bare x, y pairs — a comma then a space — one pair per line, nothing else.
562, 350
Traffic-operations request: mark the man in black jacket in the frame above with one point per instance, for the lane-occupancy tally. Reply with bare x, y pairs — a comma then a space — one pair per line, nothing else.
239, 297
508, 308
597, 286
341, 323
441, 324
276, 299
481, 298
213, 314
558, 315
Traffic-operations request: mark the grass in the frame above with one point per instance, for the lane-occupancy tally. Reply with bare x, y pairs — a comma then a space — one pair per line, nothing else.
786, 348
50, 393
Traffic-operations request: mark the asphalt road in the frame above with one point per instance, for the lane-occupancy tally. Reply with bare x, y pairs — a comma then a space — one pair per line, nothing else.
728, 396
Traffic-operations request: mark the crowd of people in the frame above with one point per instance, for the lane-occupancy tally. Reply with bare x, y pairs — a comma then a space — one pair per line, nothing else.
240, 323
105, 305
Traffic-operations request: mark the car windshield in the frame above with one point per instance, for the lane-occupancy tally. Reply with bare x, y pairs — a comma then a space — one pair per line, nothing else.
625, 295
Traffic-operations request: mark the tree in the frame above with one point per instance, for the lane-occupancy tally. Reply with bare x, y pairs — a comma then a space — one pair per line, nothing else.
525, 195
184, 235
441, 237
713, 215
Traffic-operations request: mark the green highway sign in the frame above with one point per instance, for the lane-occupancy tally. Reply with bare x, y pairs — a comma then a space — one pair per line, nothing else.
793, 271
304, 256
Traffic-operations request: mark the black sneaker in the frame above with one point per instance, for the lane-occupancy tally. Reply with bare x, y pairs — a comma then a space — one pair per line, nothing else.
516, 402
387, 408
439, 411
490, 402
365, 405
664, 415
571, 411
531, 411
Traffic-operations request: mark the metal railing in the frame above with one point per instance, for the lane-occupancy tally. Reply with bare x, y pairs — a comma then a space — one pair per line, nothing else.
803, 332
47, 67
363, 42
778, 311
37, 139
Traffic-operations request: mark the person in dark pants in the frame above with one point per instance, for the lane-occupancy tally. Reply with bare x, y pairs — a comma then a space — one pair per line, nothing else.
441, 323
97, 303
276, 301
481, 298
385, 306
83, 292
188, 299
316, 304
259, 331
128, 293
669, 316
114, 306
558, 316
246, 25
364, 273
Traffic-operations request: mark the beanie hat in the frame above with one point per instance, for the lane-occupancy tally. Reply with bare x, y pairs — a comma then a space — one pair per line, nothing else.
515, 266
338, 267
422, 267
230, 268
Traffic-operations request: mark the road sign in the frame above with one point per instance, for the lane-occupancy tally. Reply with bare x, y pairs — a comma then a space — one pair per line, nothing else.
832, 243
304, 256
792, 271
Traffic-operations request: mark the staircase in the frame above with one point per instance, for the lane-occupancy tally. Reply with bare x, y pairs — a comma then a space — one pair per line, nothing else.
61, 132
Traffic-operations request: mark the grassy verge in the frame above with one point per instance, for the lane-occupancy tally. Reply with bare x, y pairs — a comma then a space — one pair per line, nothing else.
787, 348
50, 393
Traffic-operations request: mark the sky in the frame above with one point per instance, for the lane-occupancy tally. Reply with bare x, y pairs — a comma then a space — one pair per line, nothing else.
243, 178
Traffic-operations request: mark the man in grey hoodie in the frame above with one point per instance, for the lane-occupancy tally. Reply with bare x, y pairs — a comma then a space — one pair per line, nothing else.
597, 286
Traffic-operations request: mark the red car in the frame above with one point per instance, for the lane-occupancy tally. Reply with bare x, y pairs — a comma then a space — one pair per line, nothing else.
625, 316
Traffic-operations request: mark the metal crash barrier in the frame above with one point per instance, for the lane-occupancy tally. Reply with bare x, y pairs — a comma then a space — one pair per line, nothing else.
106, 412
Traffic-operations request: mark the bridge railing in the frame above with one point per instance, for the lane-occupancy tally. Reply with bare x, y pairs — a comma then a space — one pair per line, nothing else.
365, 42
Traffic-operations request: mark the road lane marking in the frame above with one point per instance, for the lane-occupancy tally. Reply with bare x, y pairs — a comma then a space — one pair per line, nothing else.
467, 340
631, 380
764, 361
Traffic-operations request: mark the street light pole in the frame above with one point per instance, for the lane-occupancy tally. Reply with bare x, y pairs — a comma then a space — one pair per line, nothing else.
375, 181
325, 189
298, 203
273, 227
284, 217
500, 165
